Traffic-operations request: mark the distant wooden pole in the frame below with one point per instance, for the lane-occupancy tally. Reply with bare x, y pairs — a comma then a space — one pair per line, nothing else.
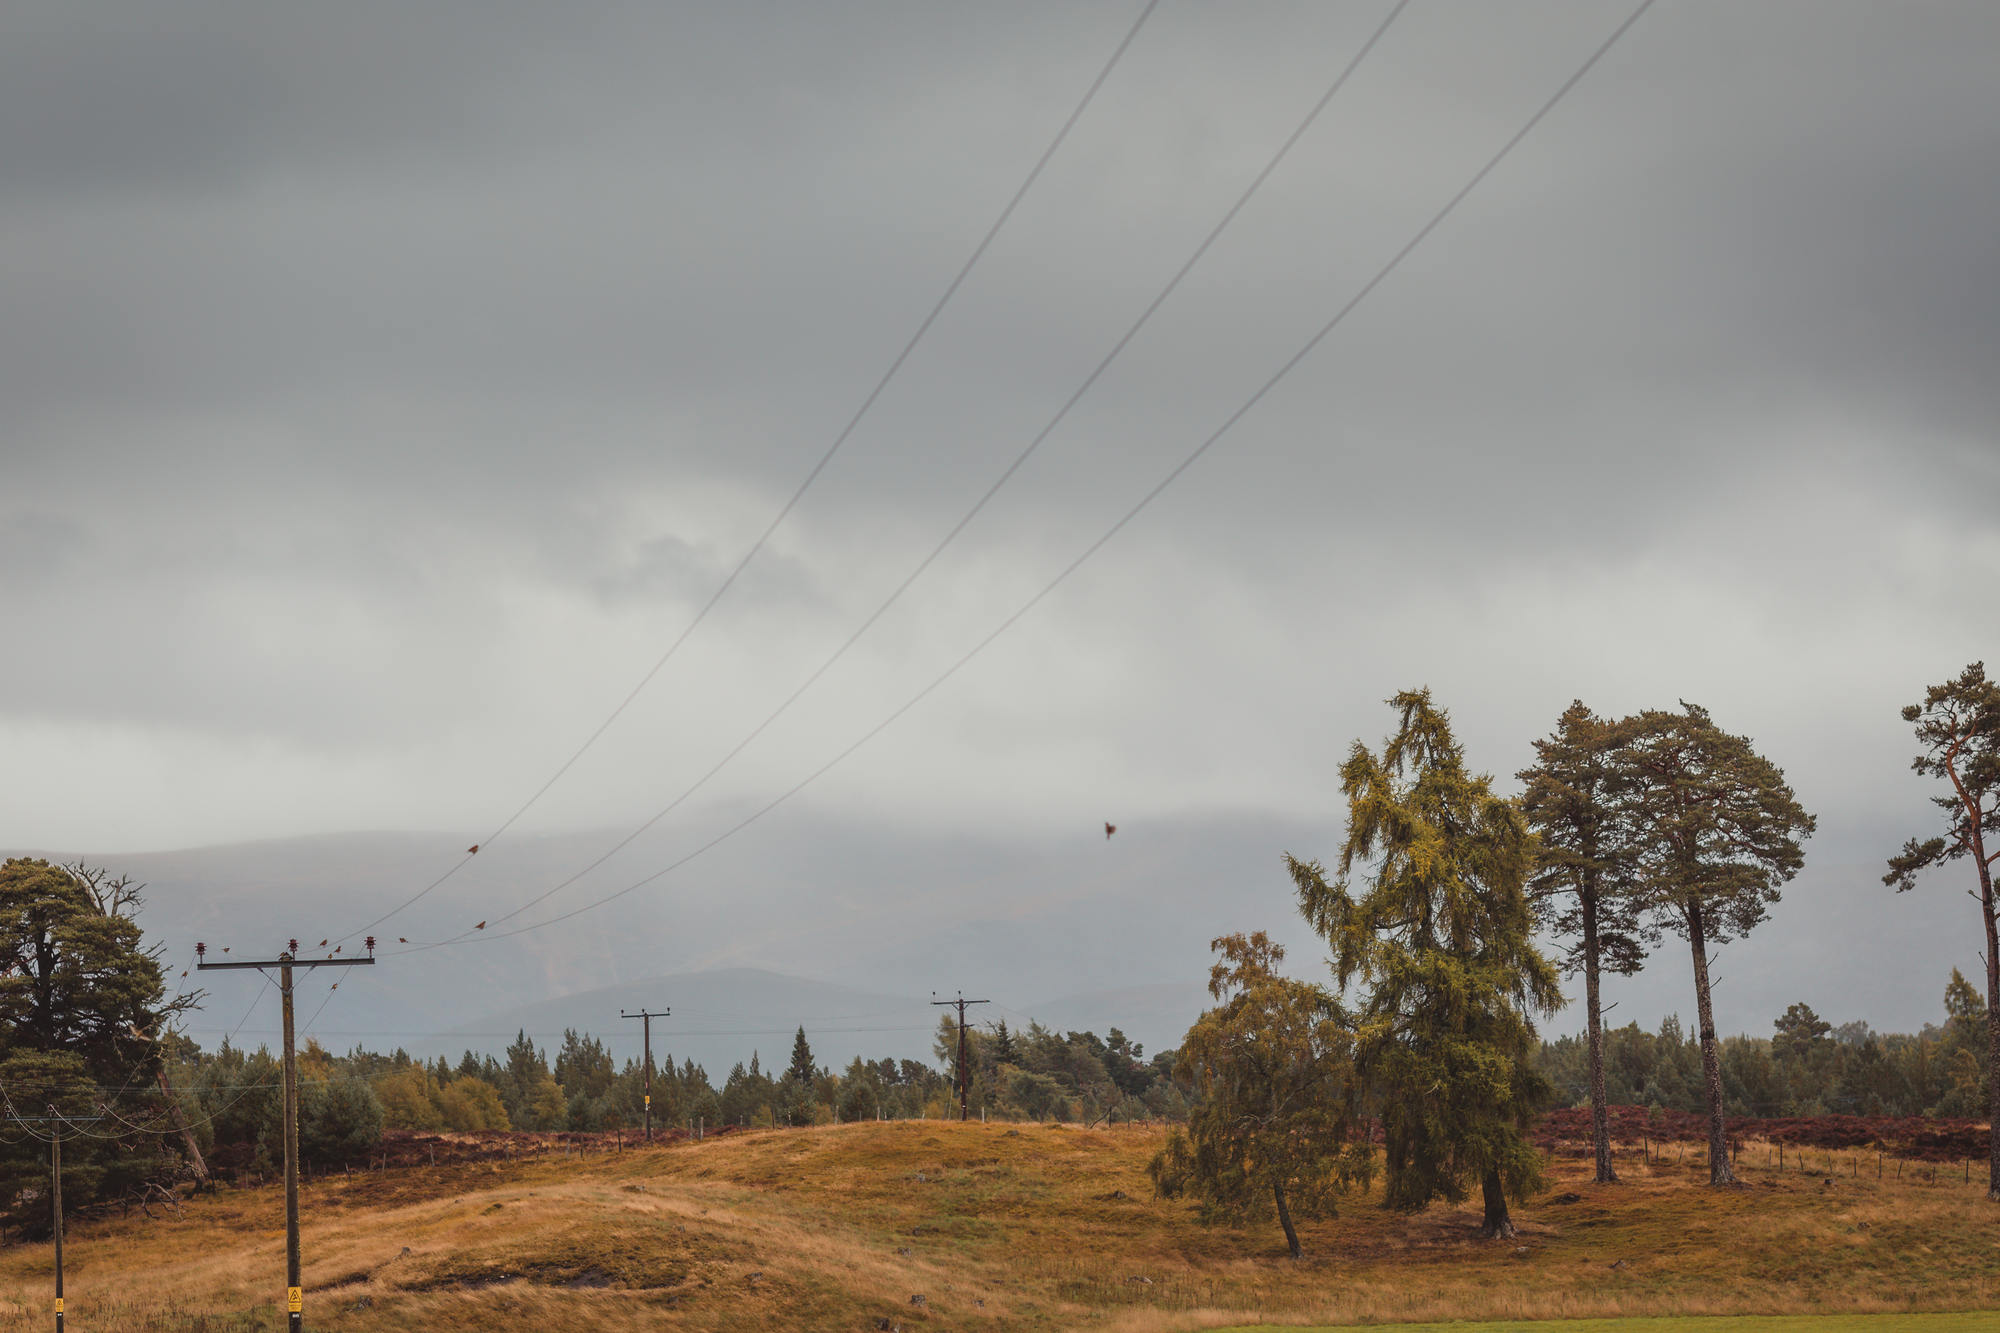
964, 1073
646, 1017
294, 1289
55, 1201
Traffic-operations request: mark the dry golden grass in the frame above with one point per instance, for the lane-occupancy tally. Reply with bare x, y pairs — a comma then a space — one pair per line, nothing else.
996, 1227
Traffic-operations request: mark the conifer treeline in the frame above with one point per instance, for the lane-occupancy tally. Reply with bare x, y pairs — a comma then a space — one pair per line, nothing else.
1807, 1067
347, 1101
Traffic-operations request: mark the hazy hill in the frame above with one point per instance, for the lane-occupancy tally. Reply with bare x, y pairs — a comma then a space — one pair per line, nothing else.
1116, 930
836, 920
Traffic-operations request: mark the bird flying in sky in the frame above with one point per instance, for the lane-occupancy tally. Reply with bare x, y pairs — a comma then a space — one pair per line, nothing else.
1109, 829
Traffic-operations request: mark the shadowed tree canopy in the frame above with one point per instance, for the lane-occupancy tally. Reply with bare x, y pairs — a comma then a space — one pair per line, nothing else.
1799, 1031
1273, 1062
1958, 726
1714, 830
1430, 912
82, 1010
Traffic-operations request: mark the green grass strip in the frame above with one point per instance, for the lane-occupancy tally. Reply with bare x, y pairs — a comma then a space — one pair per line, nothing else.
1982, 1321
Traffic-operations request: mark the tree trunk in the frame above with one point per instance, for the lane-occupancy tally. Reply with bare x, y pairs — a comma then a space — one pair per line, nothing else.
1719, 1172
199, 1167
1285, 1219
1992, 1018
1600, 1126
1497, 1224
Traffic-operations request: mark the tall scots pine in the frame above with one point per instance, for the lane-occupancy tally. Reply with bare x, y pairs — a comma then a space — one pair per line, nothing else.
1714, 829
1958, 726
1430, 914
1582, 887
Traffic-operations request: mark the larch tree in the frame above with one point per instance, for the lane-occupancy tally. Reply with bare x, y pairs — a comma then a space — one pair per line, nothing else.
1430, 913
1714, 831
1958, 726
1273, 1062
1581, 888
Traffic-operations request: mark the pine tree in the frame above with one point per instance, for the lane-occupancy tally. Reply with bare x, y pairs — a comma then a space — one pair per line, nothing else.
1958, 725
1440, 932
527, 1069
1581, 889
83, 1006
1003, 1045
1714, 830
801, 1070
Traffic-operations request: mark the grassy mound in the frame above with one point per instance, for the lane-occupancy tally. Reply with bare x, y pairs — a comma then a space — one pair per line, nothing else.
929, 1225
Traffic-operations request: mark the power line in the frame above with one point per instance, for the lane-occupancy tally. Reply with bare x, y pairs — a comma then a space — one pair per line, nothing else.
951, 290
454, 1037
1173, 475
327, 999
1006, 475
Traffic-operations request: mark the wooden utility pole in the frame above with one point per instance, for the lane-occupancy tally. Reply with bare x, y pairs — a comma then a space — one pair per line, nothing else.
285, 962
646, 1017
55, 1201
964, 1072
56, 1120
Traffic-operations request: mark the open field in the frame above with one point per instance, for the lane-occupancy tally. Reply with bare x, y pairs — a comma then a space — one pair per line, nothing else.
1004, 1227
1695, 1323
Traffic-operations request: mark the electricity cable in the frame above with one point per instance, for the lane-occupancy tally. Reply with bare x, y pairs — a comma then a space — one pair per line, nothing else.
1395, 261
1006, 475
951, 290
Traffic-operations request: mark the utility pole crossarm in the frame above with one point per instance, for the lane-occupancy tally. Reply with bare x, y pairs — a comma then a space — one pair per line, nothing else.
288, 962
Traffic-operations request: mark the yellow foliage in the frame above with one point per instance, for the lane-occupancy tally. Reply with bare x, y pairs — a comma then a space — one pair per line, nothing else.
471, 1103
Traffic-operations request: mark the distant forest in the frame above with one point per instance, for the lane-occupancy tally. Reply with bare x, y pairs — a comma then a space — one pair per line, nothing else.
1806, 1067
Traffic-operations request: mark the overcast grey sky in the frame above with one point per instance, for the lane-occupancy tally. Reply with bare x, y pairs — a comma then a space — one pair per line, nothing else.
383, 388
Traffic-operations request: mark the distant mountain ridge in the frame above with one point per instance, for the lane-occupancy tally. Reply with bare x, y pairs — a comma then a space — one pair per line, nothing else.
871, 915
1111, 932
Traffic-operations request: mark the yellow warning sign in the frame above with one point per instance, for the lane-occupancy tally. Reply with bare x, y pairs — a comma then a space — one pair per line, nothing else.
294, 1300
59, 1305
649, 1099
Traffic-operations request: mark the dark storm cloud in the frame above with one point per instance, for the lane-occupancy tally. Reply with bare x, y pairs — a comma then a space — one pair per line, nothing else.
381, 389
